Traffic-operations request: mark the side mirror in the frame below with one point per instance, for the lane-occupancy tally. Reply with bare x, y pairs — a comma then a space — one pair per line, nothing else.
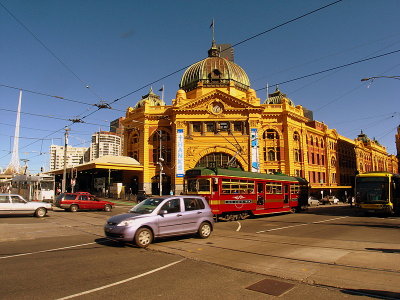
162, 212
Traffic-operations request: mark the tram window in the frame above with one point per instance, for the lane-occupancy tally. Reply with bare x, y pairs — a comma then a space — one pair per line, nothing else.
204, 185
274, 188
191, 184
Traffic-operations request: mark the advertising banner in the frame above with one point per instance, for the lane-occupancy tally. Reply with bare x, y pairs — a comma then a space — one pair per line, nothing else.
180, 153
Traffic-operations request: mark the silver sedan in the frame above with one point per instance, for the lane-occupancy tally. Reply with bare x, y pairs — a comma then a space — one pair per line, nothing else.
13, 204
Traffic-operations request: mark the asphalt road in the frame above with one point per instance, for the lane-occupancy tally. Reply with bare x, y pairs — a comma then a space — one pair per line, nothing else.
325, 253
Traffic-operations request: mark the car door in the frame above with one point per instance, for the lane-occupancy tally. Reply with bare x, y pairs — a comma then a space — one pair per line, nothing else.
5, 205
20, 206
194, 210
170, 222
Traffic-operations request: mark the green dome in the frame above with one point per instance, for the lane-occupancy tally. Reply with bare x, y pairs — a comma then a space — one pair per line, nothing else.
214, 71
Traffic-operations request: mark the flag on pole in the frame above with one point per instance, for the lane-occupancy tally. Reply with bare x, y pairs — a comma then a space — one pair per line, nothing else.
212, 24
162, 89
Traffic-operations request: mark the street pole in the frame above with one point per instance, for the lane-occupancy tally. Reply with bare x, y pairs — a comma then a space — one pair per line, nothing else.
160, 161
65, 160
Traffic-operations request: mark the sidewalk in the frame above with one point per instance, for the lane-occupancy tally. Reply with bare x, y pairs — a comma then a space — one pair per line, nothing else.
125, 202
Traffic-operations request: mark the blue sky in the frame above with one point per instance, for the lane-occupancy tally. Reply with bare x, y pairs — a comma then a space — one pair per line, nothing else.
116, 47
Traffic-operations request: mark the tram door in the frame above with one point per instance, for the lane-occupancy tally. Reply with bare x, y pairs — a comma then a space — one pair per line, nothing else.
260, 195
286, 195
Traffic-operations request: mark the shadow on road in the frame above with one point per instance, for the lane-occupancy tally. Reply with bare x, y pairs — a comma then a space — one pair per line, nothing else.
372, 293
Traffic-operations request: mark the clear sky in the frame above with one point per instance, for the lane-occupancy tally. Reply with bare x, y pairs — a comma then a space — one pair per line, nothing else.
117, 47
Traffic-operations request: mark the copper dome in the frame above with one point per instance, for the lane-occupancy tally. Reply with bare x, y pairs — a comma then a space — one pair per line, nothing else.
214, 71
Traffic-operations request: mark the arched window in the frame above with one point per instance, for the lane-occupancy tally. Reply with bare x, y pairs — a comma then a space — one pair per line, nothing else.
135, 138
311, 140
296, 136
270, 134
218, 159
322, 143
333, 161
271, 153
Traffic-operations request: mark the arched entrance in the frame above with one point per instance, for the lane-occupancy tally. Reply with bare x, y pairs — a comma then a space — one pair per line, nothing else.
218, 160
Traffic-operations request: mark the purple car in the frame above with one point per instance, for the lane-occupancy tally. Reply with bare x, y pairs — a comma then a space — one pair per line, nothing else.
161, 217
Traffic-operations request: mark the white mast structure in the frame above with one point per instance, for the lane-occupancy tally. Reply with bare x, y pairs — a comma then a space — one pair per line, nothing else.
14, 165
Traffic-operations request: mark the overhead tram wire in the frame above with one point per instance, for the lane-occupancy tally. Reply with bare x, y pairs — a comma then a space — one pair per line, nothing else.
331, 69
49, 50
54, 96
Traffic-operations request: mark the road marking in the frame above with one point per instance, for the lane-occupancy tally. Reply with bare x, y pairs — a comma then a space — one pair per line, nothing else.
300, 225
122, 281
239, 227
49, 250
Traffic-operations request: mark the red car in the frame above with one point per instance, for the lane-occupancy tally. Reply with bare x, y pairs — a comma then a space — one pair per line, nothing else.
81, 201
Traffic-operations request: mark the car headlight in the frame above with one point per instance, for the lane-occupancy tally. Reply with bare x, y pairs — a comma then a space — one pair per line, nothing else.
126, 223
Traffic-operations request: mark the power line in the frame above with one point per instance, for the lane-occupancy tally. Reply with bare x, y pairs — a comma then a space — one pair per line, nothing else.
48, 49
98, 105
334, 68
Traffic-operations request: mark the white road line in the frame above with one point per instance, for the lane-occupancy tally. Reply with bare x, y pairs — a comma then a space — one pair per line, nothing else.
330, 220
300, 225
122, 281
239, 227
49, 250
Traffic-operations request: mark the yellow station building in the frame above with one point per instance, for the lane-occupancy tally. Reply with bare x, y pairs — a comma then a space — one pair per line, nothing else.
216, 119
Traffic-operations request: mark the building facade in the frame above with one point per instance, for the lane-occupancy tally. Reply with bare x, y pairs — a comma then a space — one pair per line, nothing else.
216, 119
75, 156
105, 143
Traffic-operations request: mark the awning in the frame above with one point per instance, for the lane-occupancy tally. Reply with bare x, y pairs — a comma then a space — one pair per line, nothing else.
109, 162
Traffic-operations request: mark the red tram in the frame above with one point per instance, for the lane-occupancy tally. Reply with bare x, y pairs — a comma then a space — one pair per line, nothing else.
235, 194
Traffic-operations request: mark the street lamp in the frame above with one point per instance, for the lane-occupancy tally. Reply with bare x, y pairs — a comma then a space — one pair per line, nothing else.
374, 77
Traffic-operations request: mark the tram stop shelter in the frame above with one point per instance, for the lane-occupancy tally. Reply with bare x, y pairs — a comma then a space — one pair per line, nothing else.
102, 176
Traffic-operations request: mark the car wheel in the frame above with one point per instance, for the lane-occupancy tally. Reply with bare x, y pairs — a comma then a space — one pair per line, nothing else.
73, 208
107, 207
40, 212
143, 237
204, 230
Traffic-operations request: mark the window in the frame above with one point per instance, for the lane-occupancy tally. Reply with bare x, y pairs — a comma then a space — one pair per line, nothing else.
294, 189
223, 126
333, 162
135, 138
296, 136
297, 155
17, 199
237, 186
210, 127
196, 127
271, 154
274, 188
237, 126
271, 134
172, 206
4, 199
193, 204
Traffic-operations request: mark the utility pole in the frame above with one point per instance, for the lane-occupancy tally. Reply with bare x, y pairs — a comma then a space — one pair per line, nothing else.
64, 180
160, 161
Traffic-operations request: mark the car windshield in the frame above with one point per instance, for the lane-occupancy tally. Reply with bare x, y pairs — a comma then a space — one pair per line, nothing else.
146, 206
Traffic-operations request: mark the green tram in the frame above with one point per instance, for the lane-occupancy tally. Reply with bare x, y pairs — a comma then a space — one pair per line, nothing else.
378, 192
235, 194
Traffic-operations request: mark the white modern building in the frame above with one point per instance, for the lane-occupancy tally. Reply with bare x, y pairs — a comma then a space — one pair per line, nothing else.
75, 156
105, 143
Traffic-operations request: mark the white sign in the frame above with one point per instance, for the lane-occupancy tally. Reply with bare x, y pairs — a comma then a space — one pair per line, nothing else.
180, 153
255, 165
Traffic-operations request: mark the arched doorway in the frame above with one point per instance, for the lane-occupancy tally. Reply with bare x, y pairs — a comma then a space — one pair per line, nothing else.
166, 185
218, 160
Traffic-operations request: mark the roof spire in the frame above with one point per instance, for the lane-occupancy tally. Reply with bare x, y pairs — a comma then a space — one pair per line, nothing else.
213, 51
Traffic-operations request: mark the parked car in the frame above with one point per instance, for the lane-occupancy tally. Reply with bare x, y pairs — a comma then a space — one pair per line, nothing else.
330, 200
13, 204
161, 217
81, 201
313, 201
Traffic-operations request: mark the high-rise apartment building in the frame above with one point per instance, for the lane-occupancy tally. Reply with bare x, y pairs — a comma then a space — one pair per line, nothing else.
105, 143
75, 156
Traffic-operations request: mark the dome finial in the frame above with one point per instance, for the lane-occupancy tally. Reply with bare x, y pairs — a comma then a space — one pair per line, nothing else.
213, 51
